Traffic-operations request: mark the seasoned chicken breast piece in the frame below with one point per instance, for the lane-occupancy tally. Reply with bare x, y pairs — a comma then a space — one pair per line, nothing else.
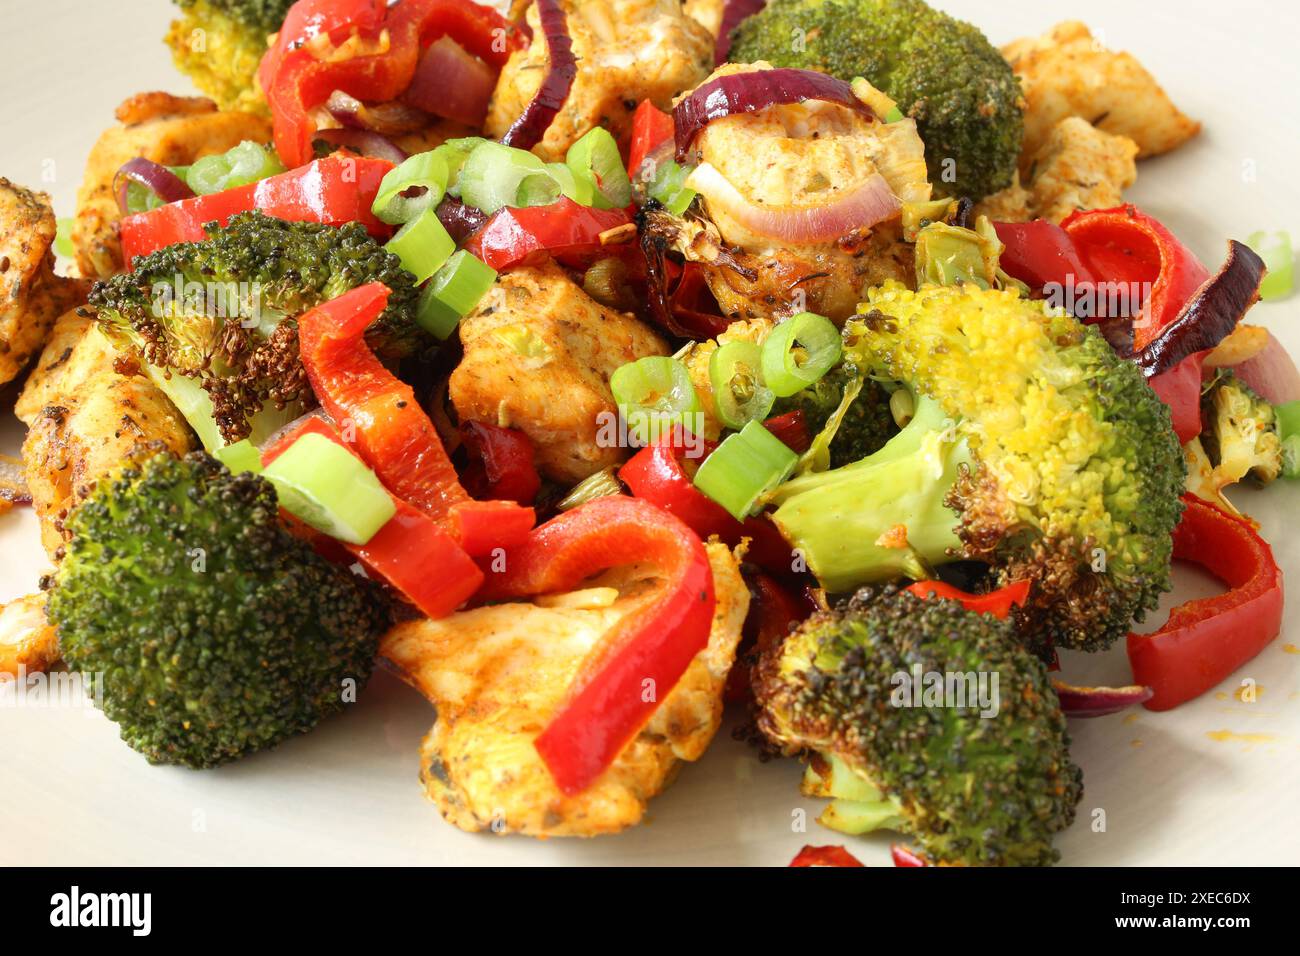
707, 13
1080, 167
172, 130
88, 410
1067, 72
31, 295
28, 642
497, 674
627, 51
539, 353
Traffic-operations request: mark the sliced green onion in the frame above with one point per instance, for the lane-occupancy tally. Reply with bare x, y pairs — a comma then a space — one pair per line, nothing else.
800, 351
595, 160
894, 115
423, 171
743, 468
1288, 430
423, 245
602, 484
240, 165
495, 176
580, 191
63, 239
1279, 258
323, 484
452, 292
655, 394
736, 376
241, 456
454, 152
668, 186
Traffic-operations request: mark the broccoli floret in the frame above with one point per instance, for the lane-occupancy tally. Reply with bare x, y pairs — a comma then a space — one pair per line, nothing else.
943, 73
1034, 449
868, 422
217, 632
222, 311
1240, 433
980, 777
219, 43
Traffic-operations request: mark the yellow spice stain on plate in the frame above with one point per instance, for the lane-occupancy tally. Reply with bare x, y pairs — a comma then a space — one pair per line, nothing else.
1230, 736
1248, 695
1290, 649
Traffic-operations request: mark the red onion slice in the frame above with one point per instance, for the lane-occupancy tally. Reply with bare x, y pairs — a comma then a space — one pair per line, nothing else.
460, 221
155, 177
364, 142
1098, 701
386, 119
755, 91
862, 207
733, 11
451, 83
1271, 374
528, 130
1208, 316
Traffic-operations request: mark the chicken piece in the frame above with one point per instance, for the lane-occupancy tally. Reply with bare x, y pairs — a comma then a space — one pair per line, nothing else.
31, 295
707, 13
28, 642
627, 51
1080, 167
1008, 205
88, 410
539, 353
497, 675
172, 130
1066, 72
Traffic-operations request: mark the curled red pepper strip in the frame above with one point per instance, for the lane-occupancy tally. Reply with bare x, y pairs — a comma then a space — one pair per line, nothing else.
826, 856
503, 462
1205, 640
656, 475
514, 237
998, 603
644, 655
393, 434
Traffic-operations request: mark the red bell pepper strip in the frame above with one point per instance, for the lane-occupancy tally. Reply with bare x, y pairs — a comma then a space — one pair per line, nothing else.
1205, 640
404, 550
296, 81
482, 527
503, 463
902, 856
998, 603
514, 237
826, 856
1126, 245
1041, 253
656, 475
393, 434
792, 429
773, 610
608, 703
335, 190
652, 131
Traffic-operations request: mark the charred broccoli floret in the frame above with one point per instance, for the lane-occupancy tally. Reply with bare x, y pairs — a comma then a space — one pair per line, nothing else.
943, 73
1034, 449
219, 43
1240, 435
950, 730
221, 314
868, 422
217, 632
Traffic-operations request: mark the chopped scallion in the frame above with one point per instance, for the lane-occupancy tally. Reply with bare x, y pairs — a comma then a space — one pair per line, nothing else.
452, 292
744, 467
324, 485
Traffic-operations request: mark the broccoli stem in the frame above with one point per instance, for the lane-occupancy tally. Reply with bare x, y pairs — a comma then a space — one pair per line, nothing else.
842, 521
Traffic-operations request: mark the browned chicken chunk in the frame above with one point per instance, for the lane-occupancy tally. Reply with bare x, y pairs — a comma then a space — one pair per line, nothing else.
497, 674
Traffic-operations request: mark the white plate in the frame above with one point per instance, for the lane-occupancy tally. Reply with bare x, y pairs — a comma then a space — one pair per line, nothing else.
1173, 788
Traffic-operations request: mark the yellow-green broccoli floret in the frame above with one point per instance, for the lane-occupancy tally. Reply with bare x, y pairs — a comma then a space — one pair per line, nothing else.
219, 44
943, 73
1034, 449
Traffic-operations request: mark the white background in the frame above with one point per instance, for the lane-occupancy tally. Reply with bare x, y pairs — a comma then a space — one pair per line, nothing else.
70, 792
